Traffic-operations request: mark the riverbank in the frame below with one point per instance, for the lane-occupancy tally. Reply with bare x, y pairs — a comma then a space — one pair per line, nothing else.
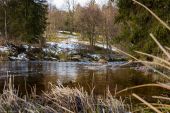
59, 52
63, 51
63, 47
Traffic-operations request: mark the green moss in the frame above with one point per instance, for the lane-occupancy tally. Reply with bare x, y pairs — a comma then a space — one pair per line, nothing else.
63, 56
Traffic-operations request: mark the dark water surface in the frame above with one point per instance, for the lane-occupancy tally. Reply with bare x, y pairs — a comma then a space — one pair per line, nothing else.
72, 74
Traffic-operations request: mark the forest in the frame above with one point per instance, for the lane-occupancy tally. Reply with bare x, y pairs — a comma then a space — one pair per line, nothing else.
114, 23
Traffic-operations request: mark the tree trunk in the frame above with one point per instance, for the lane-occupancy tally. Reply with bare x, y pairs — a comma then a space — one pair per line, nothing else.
107, 42
5, 26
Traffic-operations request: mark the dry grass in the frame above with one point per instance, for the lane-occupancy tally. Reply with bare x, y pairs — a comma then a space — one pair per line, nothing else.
146, 103
3, 41
58, 100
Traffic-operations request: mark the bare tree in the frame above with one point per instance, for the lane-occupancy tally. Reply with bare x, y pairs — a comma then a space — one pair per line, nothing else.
91, 19
109, 29
71, 12
56, 20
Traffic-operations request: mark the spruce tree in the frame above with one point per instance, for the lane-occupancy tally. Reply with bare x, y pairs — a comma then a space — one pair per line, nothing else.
137, 24
26, 19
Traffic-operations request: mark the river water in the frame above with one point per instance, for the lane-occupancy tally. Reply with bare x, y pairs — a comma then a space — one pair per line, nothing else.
74, 74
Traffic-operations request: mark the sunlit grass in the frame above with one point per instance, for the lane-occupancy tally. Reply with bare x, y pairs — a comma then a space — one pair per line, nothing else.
56, 39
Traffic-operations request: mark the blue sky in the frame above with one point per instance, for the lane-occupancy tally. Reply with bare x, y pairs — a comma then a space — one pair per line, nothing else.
61, 3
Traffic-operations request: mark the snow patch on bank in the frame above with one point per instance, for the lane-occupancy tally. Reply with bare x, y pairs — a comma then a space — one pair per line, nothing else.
4, 49
21, 56
71, 43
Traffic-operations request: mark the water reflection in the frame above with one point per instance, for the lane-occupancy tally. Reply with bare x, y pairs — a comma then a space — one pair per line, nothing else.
120, 79
39, 74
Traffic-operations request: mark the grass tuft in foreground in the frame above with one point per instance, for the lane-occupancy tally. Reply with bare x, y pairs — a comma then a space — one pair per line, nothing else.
58, 100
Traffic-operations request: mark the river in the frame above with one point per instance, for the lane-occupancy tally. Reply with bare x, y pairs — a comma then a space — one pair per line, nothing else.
74, 74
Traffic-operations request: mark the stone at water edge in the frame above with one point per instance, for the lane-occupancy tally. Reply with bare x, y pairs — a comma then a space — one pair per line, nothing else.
76, 57
103, 61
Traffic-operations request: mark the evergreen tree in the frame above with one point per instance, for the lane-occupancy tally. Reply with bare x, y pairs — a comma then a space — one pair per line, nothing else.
138, 23
26, 19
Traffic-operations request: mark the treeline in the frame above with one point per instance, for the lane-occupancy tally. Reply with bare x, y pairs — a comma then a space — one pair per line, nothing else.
122, 23
23, 19
92, 21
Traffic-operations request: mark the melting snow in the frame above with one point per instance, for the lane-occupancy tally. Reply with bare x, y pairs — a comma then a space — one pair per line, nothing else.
70, 43
21, 56
4, 49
